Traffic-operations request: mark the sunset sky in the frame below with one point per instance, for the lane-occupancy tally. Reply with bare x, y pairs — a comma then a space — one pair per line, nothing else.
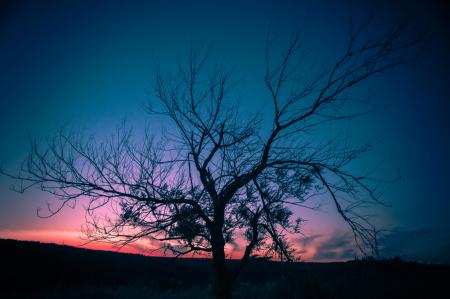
89, 65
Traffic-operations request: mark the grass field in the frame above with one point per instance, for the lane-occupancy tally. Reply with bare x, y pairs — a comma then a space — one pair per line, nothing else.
38, 270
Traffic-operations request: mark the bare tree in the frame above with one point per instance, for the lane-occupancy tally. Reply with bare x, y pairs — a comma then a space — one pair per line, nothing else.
219, 175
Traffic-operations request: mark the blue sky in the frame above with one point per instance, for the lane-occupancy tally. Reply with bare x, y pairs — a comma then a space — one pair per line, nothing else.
89, 64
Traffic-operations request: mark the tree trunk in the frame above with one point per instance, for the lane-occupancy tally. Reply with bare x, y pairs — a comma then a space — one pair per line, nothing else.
222, 281
222, 284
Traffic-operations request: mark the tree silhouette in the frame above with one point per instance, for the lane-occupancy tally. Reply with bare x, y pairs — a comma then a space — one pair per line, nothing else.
215, 174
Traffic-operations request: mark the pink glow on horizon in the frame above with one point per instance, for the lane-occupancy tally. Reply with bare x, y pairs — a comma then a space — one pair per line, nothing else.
65, 228
74, 238
66, 237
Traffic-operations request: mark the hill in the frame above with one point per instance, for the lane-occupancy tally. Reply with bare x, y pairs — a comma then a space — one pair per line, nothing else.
39, 270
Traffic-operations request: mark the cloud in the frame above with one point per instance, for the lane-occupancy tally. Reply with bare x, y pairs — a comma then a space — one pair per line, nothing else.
305, 245
306, 241
338, 246
426, 244
146, 246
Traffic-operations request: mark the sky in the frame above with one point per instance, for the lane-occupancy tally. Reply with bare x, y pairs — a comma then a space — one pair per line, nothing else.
89, 64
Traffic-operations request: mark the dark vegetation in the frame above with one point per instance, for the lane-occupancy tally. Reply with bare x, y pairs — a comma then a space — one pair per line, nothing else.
38, 270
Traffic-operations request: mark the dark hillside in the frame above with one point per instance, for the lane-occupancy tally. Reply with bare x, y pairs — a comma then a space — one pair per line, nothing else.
48, 265
38, 270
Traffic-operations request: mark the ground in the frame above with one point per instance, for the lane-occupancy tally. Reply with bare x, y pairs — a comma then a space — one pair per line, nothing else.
38, 270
